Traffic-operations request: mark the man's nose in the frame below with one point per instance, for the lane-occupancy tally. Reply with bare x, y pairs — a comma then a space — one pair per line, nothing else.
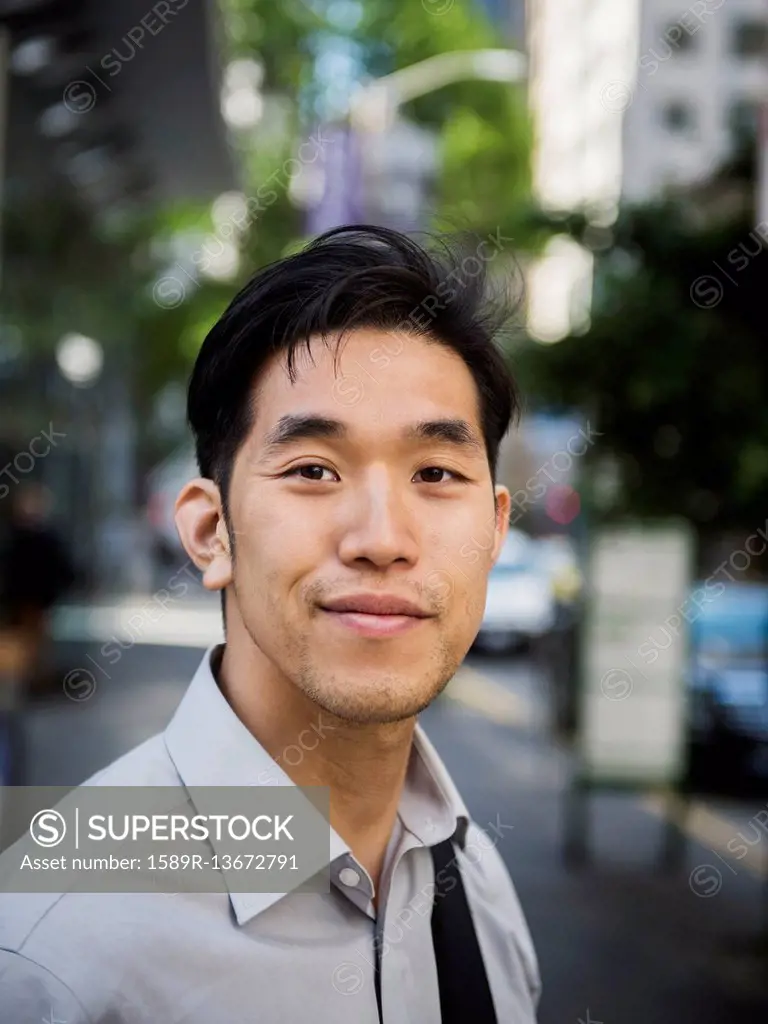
380, 526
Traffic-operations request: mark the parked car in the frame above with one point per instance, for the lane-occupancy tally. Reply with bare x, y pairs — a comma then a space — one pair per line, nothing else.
521, 604
728, 690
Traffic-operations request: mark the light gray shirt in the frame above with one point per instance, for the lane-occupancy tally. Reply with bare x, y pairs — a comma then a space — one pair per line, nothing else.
266, 958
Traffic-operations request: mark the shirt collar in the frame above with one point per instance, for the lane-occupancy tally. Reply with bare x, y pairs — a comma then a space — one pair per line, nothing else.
431, 806
210, 746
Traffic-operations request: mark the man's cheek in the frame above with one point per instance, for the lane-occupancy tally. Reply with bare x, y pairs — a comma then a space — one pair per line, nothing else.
476, 605
469, 605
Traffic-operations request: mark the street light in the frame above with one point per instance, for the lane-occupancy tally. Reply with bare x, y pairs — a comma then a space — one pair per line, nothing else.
335, 184
373, 106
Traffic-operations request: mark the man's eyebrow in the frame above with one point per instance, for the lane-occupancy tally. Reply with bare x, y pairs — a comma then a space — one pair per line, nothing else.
455, 432
292, 428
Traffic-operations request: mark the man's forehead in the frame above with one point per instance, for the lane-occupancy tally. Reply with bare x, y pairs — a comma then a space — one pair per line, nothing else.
361, 381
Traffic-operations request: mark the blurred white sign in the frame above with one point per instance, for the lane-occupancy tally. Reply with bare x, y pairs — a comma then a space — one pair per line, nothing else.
632, 715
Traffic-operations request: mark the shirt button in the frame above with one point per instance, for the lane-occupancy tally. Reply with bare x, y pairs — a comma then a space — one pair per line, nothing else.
348, 876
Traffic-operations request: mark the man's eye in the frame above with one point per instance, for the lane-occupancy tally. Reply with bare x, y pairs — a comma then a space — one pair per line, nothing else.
310, 471
433, 474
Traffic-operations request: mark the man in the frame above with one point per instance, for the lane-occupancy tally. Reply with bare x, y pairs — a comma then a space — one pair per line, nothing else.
347, 410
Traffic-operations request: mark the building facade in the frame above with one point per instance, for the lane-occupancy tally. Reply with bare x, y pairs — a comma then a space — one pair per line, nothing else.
582, 54
700, 80
632, 98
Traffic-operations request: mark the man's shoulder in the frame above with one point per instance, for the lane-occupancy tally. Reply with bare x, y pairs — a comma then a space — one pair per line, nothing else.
30, 992
70, 951
147, 764
20, 913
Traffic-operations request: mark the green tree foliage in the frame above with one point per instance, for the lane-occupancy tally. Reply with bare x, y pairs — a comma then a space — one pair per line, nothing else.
97, 276
63, 272
484, 129
673, 370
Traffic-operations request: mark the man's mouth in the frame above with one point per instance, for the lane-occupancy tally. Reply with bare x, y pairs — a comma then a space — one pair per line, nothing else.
375, 615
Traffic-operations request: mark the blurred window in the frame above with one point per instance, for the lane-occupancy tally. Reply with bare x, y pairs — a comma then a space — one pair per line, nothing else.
678, 117
750, 38
743, 122
679, 38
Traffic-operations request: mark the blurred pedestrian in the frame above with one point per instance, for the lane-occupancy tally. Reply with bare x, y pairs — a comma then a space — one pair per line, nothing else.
36, 570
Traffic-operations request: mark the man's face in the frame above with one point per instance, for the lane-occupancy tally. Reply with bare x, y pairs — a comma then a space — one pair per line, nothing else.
366, 504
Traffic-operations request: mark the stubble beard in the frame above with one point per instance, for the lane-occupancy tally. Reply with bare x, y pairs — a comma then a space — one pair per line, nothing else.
386, 699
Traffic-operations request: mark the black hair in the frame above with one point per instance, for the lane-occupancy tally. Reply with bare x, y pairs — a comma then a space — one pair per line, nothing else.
351, 277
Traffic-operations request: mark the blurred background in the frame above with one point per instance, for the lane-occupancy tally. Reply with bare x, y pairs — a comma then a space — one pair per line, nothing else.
607, 162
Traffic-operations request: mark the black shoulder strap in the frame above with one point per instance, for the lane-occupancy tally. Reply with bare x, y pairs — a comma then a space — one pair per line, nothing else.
465, 994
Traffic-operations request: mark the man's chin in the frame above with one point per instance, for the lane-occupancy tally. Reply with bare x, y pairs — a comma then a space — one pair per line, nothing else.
374, 705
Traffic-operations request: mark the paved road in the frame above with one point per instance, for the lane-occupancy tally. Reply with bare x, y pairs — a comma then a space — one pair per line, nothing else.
619, 941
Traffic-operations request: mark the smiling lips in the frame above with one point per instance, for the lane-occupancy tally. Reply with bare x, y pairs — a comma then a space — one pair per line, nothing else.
375, 615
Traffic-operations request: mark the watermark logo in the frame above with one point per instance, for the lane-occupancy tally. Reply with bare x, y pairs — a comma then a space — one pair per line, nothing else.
707, 291
348, 390
437, 7
616, 96
706, 881
79, 97
439, 584
79, 684
48, 828
168, 292
348, 979
616, 684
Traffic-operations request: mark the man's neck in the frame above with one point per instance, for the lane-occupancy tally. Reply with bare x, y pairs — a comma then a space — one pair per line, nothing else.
364, 766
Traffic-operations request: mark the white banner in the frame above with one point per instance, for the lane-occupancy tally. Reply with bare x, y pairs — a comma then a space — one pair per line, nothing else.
632, 714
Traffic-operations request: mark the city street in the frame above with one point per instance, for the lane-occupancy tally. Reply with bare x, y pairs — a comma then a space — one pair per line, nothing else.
534, 237
619, 940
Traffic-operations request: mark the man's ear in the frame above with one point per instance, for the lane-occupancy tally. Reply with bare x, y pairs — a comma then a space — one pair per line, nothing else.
203, 531
503, 505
